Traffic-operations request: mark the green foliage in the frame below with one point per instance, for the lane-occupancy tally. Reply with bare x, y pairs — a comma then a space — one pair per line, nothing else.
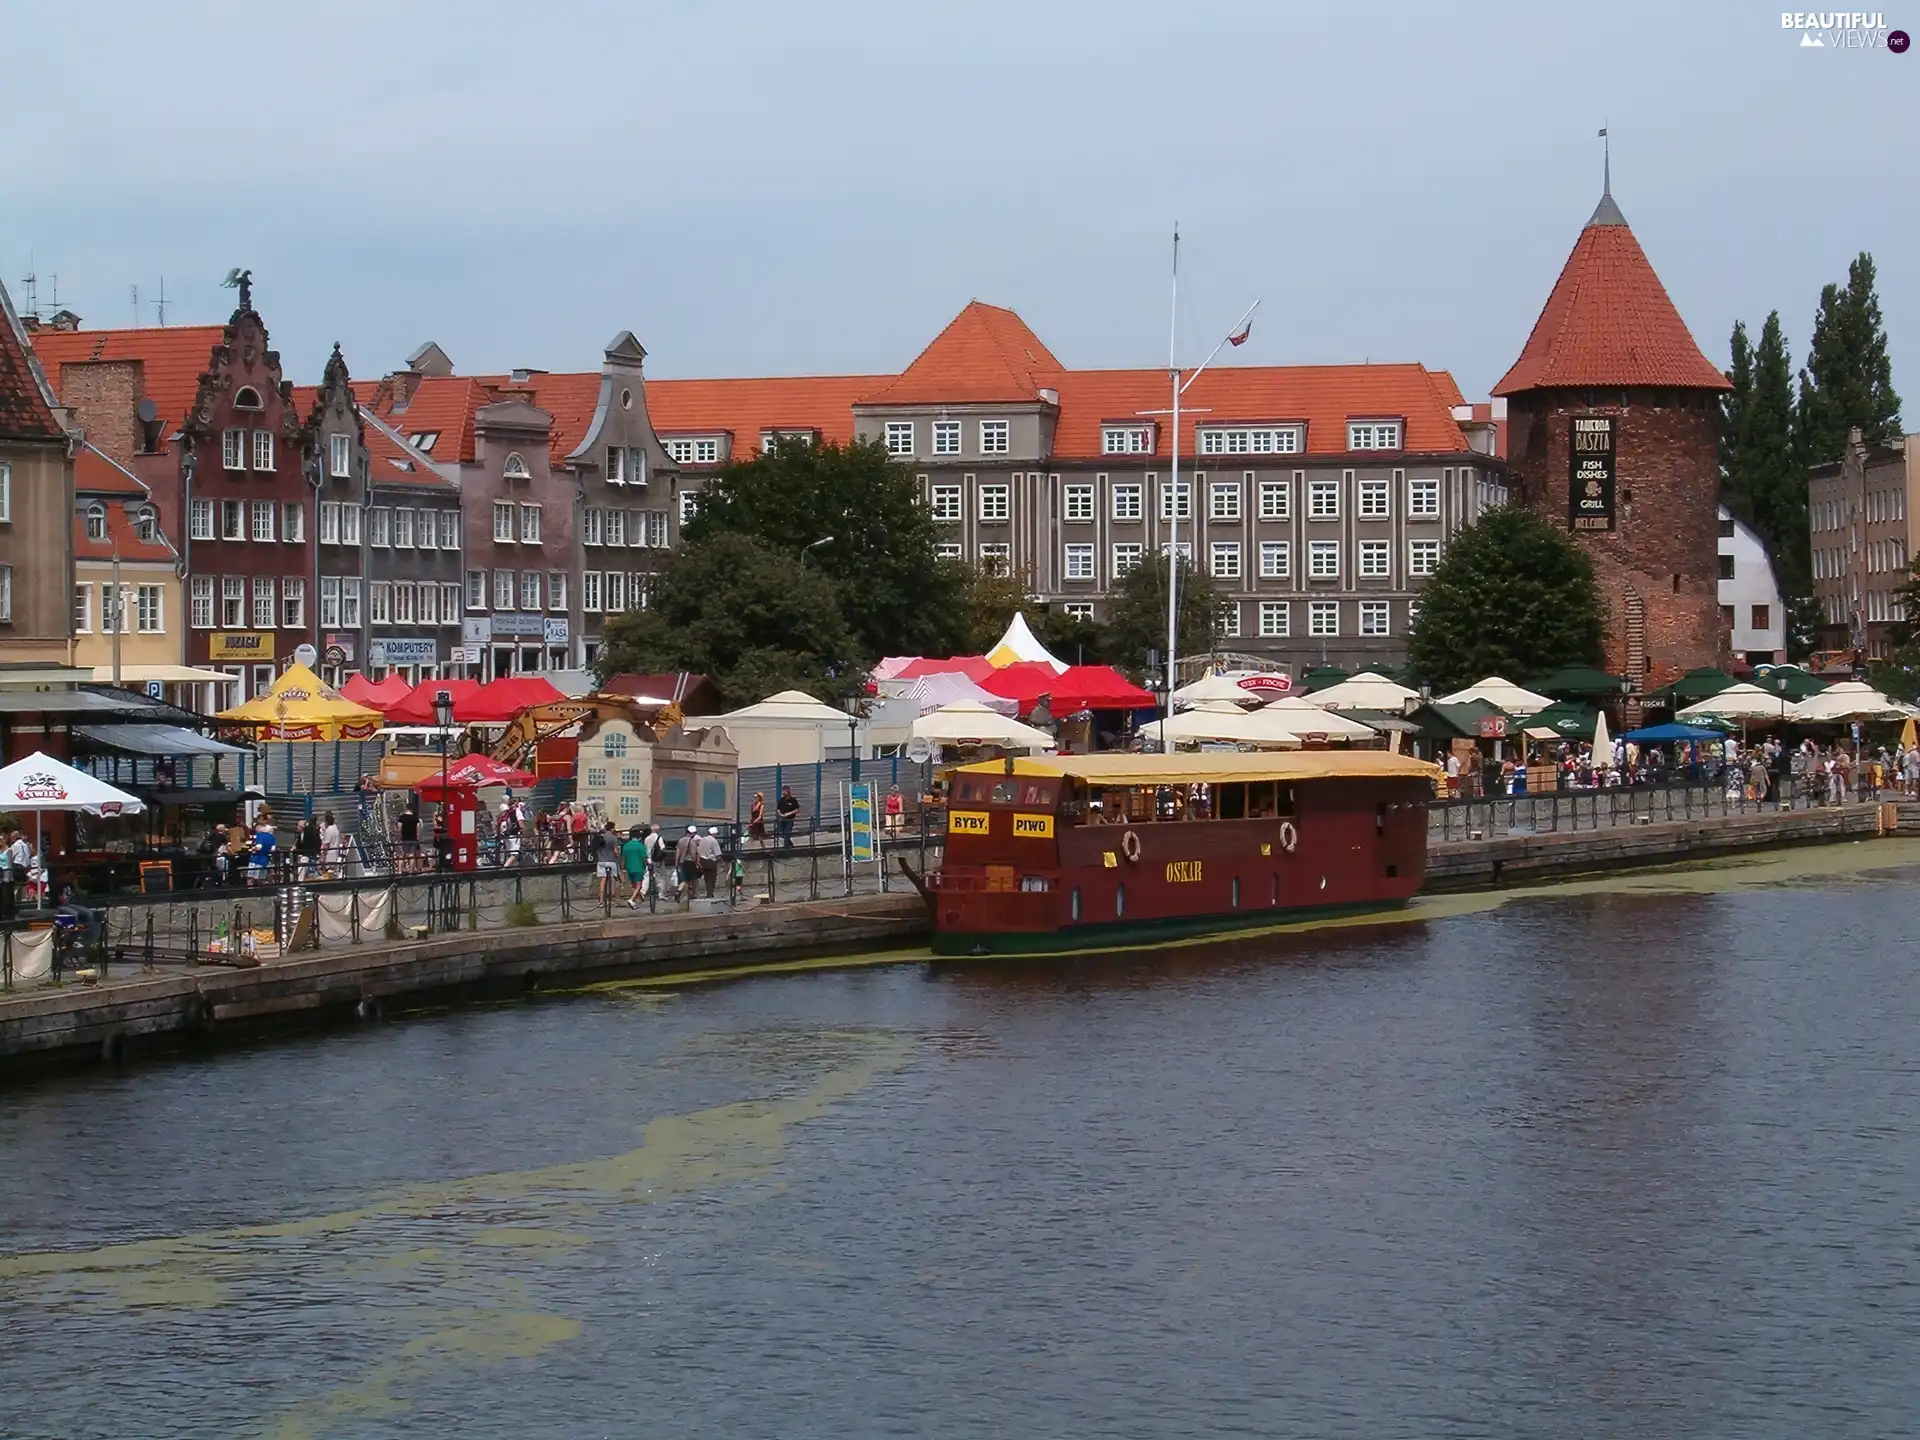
1805, 621
520, 913
1774, 479
1078, 642
1514, 596
1733, 493
1137, 617
1848, 379
752, 616
896, 595
1898, 674
989, 600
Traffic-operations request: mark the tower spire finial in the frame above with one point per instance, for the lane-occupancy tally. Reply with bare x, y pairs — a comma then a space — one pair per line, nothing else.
1606, 212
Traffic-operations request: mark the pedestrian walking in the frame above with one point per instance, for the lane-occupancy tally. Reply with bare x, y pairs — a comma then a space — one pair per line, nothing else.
707, 852
789, 812
306, 847
686, 866
333, 845
757, 819
577, 827
633, 855
604, 848
410, 837
896, 810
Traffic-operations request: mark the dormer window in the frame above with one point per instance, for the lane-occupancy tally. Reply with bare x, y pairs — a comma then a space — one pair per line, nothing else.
1126, 439
515, 468
770, 439
146, 524
424, 441
96, 521
1261, 440
626, 465
246, 398
1373, 435
702, 451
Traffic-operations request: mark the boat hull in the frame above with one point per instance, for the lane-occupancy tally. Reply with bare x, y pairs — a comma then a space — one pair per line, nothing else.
1128, 934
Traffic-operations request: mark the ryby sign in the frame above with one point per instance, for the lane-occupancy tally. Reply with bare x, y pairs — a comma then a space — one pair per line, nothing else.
1590, 479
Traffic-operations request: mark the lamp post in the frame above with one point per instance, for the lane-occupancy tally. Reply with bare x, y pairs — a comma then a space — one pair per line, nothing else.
443, 717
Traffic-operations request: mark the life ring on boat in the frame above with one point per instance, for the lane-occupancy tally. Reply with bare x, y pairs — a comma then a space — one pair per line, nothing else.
1289, 837
1130, 847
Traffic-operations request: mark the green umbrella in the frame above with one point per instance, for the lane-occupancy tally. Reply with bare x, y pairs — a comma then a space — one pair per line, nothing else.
1788, 680
1574, 680
1701, 684
1568, 719
1320, 677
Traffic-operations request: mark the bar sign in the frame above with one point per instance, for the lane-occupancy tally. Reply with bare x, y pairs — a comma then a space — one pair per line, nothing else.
1591, 481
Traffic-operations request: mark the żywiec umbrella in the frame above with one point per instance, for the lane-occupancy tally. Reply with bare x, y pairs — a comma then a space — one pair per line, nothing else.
40, 783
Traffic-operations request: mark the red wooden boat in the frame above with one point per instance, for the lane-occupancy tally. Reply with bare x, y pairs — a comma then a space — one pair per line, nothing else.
1076, 852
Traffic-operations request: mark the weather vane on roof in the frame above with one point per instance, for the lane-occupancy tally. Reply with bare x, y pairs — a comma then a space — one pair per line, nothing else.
244, 280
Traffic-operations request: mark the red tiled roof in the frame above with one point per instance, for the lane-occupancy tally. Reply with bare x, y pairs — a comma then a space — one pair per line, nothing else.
441, 405
120, 534
172, 357
1609, 321
1325, 397
570, 399
24, 411
746, 407
986, 355
94, 474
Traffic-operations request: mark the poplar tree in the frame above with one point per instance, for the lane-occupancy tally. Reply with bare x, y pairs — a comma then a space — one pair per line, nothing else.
1772, 476
1733, 487
1848, 379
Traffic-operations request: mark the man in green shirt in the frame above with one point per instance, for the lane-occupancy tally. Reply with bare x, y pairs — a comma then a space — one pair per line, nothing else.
633, 856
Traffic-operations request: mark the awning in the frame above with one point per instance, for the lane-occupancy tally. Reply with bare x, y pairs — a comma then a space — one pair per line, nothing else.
179, 799
166, 674
156, 740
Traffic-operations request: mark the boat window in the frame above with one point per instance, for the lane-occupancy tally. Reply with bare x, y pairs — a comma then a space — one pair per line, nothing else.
1076, 900
1233, 804
1236, 892
1261, 802
1074, 803
1286, 800
1120, 900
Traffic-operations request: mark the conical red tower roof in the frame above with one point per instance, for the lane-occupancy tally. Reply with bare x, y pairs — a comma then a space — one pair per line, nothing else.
1609, 322
985, 355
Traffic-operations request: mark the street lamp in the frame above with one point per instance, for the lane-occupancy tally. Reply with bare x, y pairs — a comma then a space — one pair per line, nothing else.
443, 717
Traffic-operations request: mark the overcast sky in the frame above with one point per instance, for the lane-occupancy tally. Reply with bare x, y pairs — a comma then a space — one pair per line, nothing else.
790, 188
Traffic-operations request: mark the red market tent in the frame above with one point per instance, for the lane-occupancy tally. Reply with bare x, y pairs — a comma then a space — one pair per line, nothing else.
975, 667
502, 699
379, 695
473, 772
417, 707
1078, 687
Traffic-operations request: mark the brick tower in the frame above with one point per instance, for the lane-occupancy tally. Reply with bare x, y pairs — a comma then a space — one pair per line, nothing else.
1612, 424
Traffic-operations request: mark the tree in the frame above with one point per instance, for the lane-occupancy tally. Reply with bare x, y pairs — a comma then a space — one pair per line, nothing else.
1078, 642
1137, 616
1733, 490
1514, 596
1898, 674
989, 600
1773, 478
753, 617
883, 552
1848, 379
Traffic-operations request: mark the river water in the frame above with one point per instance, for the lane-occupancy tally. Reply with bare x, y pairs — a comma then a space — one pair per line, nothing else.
1622, 1158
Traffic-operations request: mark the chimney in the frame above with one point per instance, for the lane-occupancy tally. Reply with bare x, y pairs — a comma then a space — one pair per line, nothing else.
402, 384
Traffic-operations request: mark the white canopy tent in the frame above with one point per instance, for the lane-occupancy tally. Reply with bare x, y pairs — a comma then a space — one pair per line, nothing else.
1739, 702
1516, 700
1220, 720
1020, 643
1300, 715
40, 783
946, 687
1365, 691
790, 728
1213, 687
1849, 700
965, 722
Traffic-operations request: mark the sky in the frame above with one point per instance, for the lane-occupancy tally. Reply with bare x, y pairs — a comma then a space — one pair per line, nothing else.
787, 188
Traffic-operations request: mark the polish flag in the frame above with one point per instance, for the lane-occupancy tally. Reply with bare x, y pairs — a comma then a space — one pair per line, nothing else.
1239, 337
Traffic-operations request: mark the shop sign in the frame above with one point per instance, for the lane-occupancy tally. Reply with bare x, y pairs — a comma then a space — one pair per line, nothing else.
463, 655
1271, 683
1033, 827
509, 624
966, 822
476, 630
340, 649
1590, 453
556, 631
240, 645
409, 652
1493, 727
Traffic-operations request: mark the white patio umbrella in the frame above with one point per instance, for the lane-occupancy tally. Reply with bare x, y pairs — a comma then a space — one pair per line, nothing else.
1739, 702
1516, 700
40, 783
1221, 720
967, 722
1216, 687
1299, 714
1365, 691
1602, 743
1849, 700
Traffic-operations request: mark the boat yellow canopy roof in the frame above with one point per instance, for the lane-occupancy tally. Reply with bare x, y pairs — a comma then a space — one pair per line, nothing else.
1215, 769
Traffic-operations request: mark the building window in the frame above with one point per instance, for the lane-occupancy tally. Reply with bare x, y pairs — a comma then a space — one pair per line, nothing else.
1275, 500
689, 507
503, 522
1223, 501
340, 456
514, 467
426, 606
1323, 559
402, 602
994, 437
200, 520
616, 591
329, 522
704, 451
263, 519
1184, 493
950, 550
1276, 559
1762, 616
1374, 435
329, 601
503, 591
403, 529
1274, 618
380, 603
83, 609
996, 557
201, 593
1126, 439
1374, 504
1323, 500
556, 590
233, 601
350, 525
1726, 567
946, 437
6, 493
590, 519
1423, 499
449, 602
616, 465
293, 603
96, 521
1126, 558
1373, 617
995, 502
1227, 618
946, 503
1224, 561
146, 525
1077, 502
450, 530
263, 450
476, 589
266, 602
233, 449
616, 527
1079, 562
233, 520
1127, 502
6, 594
293, 522
1078, 610
1373, 558
427, 539
246, 398
379, 525
529, 524
590, 592
1323, 617
530, 590
899, 437
1270, 440
1423, 557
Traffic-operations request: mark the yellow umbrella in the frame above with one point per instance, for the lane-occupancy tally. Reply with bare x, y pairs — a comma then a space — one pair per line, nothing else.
1907, 734
301, 706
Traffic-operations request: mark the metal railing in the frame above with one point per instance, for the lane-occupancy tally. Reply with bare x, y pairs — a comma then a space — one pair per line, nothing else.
1552, 811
